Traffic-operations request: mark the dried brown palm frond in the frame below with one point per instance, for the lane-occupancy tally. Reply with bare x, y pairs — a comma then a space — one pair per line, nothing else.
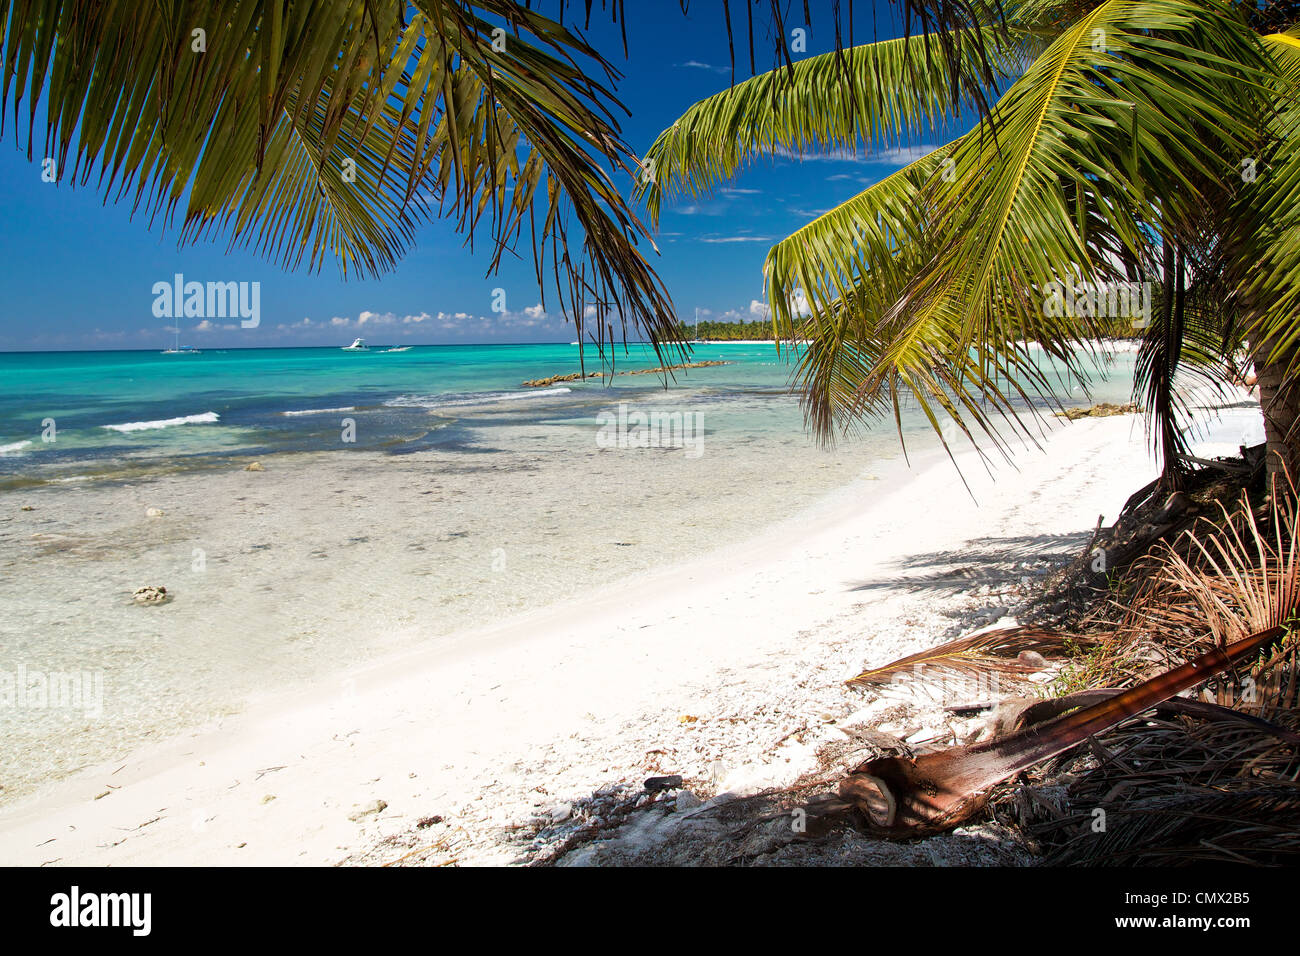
1242, 579
1272, 688
1260, 825
1175, 789
1011, 652
1203, 587
1238, 589
904, 798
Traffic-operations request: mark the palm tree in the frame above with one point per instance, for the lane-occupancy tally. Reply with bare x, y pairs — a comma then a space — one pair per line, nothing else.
330, 130
1147, 141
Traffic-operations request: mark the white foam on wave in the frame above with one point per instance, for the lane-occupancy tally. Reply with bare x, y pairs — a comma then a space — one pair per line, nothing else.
14, 446
204, 419
319, 411
445, 401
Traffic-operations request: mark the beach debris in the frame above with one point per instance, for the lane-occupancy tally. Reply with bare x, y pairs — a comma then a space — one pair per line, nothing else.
1100, 410
667, 782
551, 380
425, 822
255, 466
26, 508
687, 801
575, 376
370, 809
1011, 652
150, 594
905, 798
561, 812
154, 513
687, 719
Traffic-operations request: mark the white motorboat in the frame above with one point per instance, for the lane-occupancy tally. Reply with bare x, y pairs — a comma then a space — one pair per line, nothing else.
358, 345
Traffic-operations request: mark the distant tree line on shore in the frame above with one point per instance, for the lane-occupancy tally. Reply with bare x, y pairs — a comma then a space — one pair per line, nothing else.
706, 330
727, 331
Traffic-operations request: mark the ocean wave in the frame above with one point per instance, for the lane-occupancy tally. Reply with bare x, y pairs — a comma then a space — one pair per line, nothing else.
470, 398
205, 418
319, 411
15, 446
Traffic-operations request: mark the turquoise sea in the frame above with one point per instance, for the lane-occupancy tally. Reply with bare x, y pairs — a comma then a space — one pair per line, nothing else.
85, 413
403, 499
72, 415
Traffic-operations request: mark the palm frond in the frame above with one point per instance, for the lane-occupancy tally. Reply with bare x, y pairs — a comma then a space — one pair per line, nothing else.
844, 266
881, 93
330, 130
1005, 652
905, 798
1179, 791
1271, 264
1217, 583
1244, 590
1181, 359
1063, 192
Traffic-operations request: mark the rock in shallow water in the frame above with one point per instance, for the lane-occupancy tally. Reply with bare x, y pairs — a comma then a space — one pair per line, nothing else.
151, 594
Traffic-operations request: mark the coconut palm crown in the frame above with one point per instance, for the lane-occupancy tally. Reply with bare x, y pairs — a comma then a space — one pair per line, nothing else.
1132, 145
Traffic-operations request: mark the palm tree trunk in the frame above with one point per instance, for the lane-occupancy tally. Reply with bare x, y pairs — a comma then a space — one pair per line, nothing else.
1279, 400
1172, 441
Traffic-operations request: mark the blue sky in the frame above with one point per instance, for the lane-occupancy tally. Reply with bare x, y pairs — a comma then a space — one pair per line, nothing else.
79, 274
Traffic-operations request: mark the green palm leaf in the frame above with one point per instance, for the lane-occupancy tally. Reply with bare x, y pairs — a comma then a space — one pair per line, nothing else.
1273, 211
885, 92
252, 134
1088, 141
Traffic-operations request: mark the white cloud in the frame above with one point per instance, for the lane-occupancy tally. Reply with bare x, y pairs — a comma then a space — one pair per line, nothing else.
697, 65
892, 156
900, 155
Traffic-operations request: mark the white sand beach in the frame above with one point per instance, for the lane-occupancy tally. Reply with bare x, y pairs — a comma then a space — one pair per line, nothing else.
727, 670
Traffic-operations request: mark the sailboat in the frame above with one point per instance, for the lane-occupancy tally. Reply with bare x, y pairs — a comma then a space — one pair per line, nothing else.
358, 345
178, 349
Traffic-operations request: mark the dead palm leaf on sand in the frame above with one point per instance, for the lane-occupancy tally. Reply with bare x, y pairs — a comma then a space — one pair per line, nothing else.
1245, 588
1195, 591
1012, 652
1175, 789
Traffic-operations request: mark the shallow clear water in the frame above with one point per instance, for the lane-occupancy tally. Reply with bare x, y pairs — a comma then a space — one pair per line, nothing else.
464, 499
